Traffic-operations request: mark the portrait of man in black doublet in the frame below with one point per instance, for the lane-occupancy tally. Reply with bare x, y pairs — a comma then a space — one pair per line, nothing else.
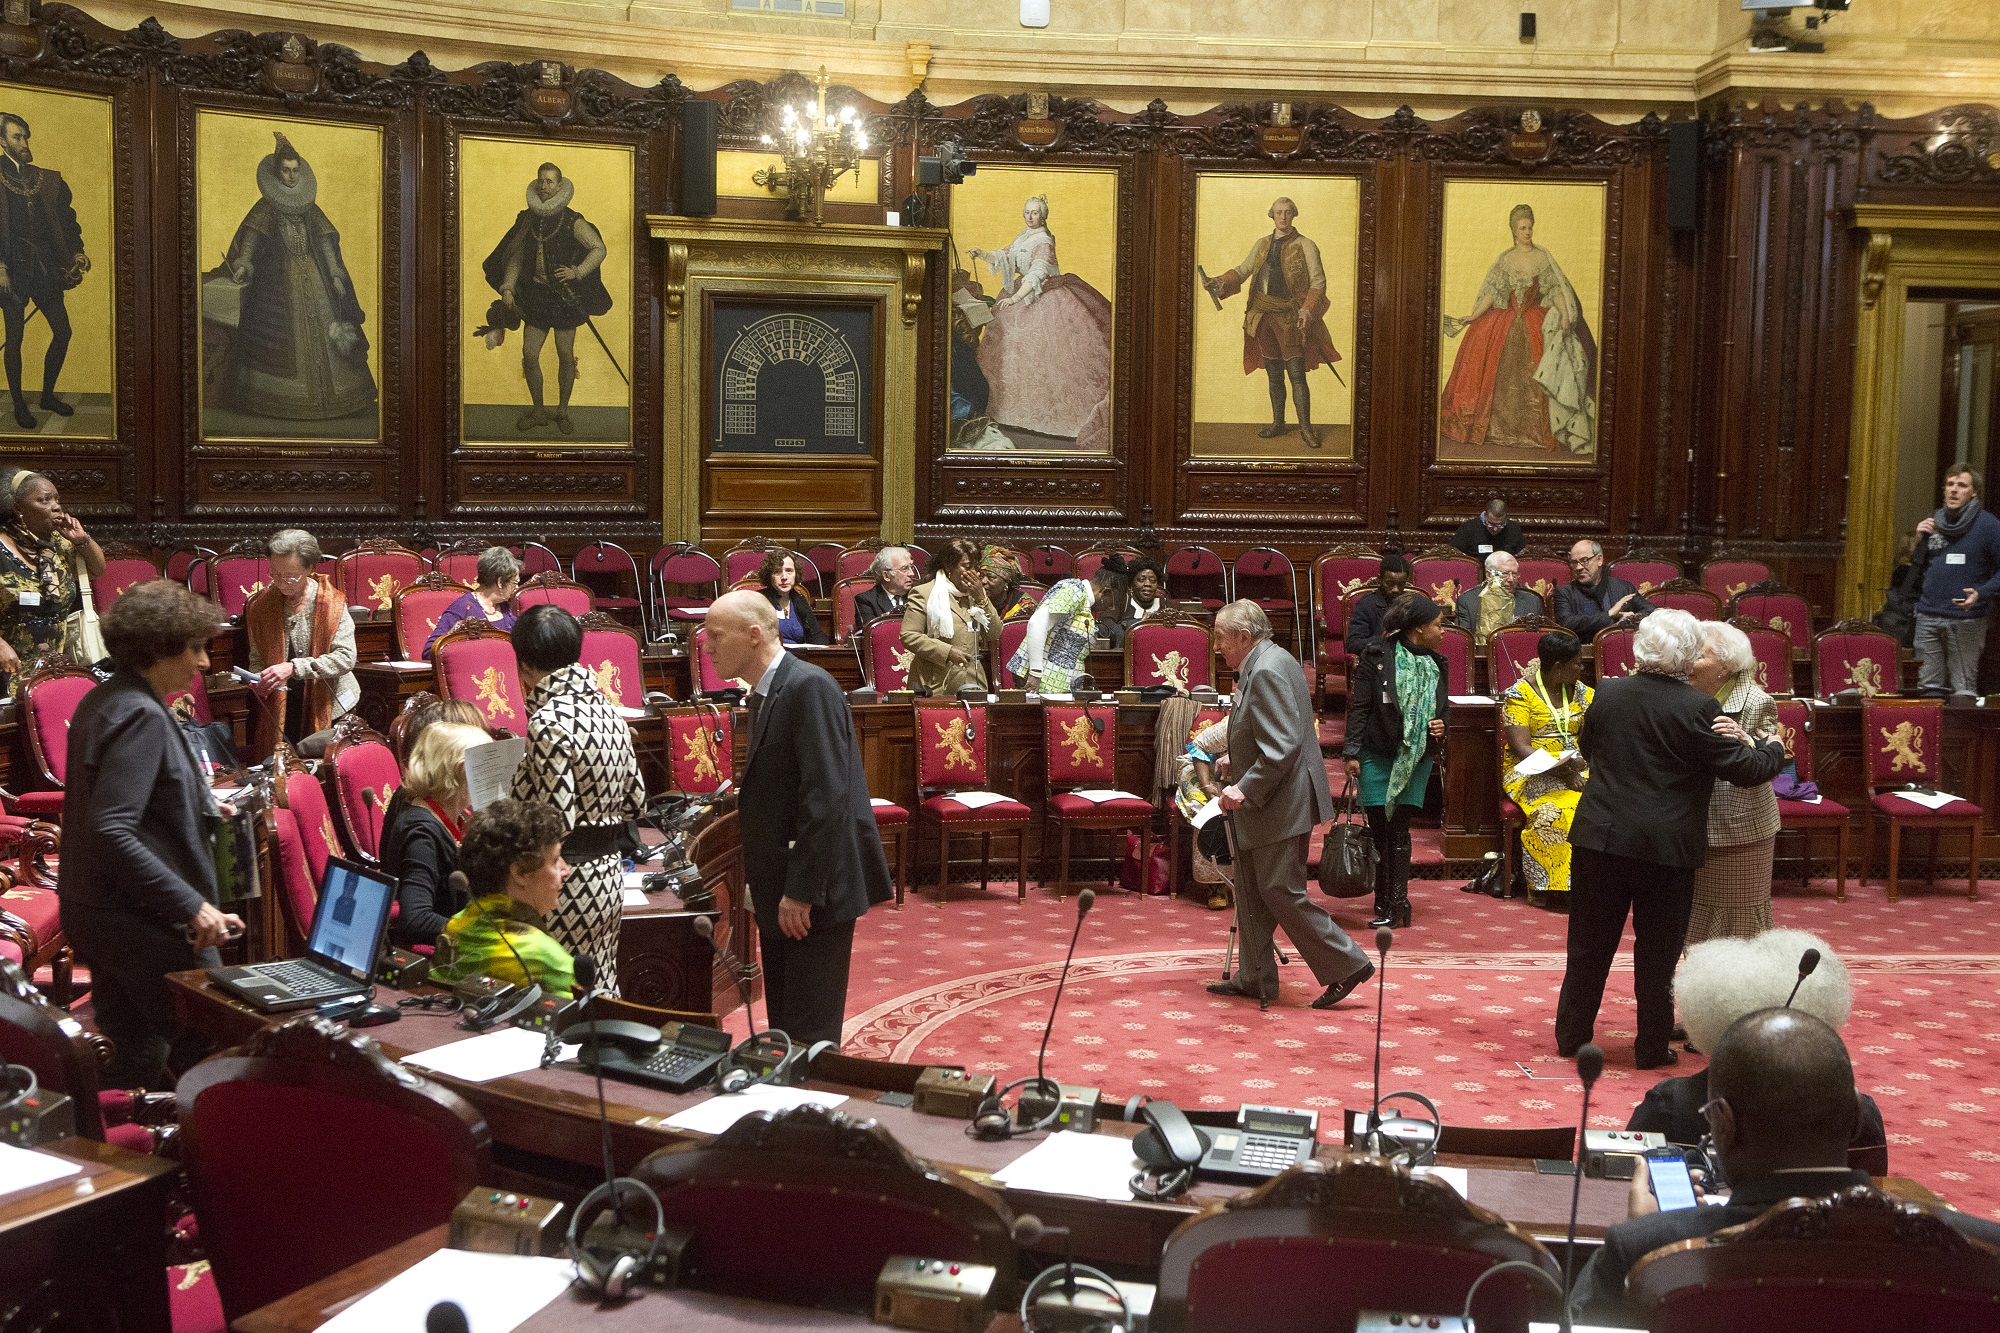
546, 270
41, 257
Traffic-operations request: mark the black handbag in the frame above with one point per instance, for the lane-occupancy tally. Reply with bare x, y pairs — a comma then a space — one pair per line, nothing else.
1348, 859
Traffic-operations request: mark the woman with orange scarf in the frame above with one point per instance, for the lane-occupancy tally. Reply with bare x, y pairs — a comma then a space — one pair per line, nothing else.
302, 648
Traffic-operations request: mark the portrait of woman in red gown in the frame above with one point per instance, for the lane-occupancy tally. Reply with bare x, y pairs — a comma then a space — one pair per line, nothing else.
1525, 377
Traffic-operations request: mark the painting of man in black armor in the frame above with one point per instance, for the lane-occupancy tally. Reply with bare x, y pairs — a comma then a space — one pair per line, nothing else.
41, 259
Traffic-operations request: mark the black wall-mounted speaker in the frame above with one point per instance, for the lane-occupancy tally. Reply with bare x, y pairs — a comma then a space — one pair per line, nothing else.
696, 196
1683, 174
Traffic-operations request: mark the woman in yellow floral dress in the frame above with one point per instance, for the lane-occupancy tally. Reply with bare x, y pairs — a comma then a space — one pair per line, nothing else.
1543, 712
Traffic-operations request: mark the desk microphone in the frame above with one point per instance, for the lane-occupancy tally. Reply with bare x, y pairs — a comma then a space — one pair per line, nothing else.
1808, 964
611, 1264
1384, 937
1084, 902
446, 1317
1589, 1064
705, 927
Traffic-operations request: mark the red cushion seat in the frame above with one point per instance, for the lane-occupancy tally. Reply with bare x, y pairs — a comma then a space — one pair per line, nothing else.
1821, 809
39, 803
1068, 805
888, 814
39, 908
1510, 813
950, 811
1891, 803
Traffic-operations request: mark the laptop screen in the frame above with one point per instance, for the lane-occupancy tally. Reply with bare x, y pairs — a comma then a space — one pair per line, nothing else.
352, 916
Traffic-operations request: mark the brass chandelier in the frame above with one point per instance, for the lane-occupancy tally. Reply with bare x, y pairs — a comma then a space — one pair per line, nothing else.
818, 149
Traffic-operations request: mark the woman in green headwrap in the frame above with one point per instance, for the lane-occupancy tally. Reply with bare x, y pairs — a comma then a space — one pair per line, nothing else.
1396, 701
1000, 570
40, 549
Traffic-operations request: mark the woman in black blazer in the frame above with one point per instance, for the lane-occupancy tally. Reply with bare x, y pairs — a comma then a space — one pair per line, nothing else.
137, 877
1392, 741
778, 580
1656, 746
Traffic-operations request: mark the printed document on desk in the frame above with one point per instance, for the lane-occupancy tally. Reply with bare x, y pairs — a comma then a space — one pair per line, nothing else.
720, 1112
1095, 1166
26, 1169
484, 1058
497, 1292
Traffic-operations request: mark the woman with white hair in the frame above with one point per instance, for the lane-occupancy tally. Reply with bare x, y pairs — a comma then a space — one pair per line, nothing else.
301, 643
1732, 890
1656, 746
1719, 982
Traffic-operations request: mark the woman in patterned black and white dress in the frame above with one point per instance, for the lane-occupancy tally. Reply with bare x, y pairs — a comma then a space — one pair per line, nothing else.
580, 761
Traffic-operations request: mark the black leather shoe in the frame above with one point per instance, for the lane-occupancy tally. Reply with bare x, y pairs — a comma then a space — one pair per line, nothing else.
1660, 1061
1231, 989
1340, 990
1395, 918
1680, 1033
1567, 1052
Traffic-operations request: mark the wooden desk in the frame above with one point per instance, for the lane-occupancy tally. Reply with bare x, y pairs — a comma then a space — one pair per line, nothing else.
89, 1251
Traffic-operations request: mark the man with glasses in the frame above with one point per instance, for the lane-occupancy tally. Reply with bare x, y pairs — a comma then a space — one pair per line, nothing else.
1782, 1111
1595, 599
1488, 531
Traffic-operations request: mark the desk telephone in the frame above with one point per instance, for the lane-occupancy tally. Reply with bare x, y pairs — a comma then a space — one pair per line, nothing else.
641, 1054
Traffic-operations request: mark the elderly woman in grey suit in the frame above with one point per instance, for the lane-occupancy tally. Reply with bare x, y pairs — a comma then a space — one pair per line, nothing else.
1732, 890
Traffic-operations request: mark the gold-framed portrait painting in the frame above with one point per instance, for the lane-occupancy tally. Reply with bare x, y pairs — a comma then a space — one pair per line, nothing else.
1034, 287
545, 236
56, 264
1521, 291
289, 228
1274, 315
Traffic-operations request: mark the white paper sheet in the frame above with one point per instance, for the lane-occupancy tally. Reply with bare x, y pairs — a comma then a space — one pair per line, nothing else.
1455, 1176
1928, 800
488, 1056
490, 768
1094, 1166
23, 1169
1207, 812
719, 1113
1100, 797
877, 800
400, 665
632, 714
636, 898
497, 1292
978, 800
1541, 761
1470, 698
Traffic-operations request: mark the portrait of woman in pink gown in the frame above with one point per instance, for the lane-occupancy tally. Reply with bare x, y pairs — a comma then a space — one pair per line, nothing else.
1525, 376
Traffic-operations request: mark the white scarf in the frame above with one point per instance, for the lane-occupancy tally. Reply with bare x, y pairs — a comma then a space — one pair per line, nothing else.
938, 610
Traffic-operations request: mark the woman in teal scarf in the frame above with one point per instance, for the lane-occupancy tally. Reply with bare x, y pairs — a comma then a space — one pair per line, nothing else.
1396, 699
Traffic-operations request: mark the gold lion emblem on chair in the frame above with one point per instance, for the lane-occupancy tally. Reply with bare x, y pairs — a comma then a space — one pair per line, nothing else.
1082, 743
699, 750
1865, 674
382, 591
492, 697
1348, 587
1733, 590
1173, 669
957, 749
1782, 625
183, 708
900, 659
1790, 737
610, 683
1906, 744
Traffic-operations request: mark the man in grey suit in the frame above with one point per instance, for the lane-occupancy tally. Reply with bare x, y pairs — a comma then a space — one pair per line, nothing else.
1276, 796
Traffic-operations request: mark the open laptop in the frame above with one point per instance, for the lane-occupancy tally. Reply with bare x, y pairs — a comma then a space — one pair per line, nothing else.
341, 949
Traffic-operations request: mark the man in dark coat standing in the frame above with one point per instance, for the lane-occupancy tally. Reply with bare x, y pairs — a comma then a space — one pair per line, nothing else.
547, 271
811, 852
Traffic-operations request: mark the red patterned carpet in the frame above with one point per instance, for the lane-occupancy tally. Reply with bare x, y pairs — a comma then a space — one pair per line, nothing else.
1470, 1007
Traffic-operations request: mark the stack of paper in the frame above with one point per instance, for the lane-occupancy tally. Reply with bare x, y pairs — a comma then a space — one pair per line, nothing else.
496, 1293
1100, 797
719, 1113
1930, 800
482, 1059
1095, 1166
23, 1169
978, 800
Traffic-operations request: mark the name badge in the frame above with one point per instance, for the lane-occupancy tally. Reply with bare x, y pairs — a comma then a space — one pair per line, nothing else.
35, 598
1953, 558
1486, 550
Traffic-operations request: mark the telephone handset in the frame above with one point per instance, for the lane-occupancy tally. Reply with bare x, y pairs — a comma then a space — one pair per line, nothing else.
618, 1035
638, 1053
1169, 1148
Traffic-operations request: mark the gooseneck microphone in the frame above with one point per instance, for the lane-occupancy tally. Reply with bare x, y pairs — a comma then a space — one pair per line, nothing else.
586, 984
1808, 964
1084, 902
446, 1317
1384, 937
705, 927
1589, 1064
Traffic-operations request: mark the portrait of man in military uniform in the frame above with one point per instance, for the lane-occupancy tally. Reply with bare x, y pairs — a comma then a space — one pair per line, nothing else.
41, 258
1284, 325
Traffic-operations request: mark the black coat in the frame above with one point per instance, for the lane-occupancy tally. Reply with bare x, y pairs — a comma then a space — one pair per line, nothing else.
1374, 714
1654, 763
802, 608
1585, 611
1472, 535
418, 850
873, 603
1364, 620
1673, 1107
808, 830
137, 817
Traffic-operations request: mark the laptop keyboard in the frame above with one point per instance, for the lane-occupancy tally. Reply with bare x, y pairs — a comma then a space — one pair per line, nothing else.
304, 980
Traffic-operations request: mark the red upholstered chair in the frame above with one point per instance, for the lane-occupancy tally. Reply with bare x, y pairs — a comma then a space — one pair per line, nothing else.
1855, 1260
951, 739
844, 593
1089, 562
707, 679
1169, 649
611, 654
1514, 648
685, 580
182, 560
1195, 573
123, 567
51, 688
1902, 741
701, 747
417, 610
1178, 831
570, 595
921, 559
853, 561
365, 775
201, 575
744, 557
1080, 746
1309, 1250
1340, 573
1781, 610
1049, 564
66, 1058
893, 821
1542, 575
1795, 727
374, 571
191, 704
825, 557
1644, 571
1728, 578
31, 932
1331, 676
476, 661
835, 1194
605, 565
536, 559
459, 562
298, 890
1773, 651
1443, 573
308, 1150
1265, 575
1613, 650
1012, 632
1689, 596
885, 663
240, 574
1457, 650
1854, 656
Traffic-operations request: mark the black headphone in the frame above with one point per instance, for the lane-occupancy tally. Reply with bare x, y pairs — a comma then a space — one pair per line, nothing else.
613, 1273
733, 1075
1096, 722
966, 704
712, 707
993, 1122
23, 1085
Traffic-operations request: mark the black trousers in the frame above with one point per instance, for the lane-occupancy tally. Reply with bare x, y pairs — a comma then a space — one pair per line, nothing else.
805, 982
129, 957
1603, 888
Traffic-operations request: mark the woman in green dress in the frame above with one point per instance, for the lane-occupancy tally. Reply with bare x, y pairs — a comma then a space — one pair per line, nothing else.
40, 549
1396, 701
1543, 713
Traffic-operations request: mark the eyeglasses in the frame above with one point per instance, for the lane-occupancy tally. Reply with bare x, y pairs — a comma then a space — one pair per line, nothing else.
1584, 559
1711, 1104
